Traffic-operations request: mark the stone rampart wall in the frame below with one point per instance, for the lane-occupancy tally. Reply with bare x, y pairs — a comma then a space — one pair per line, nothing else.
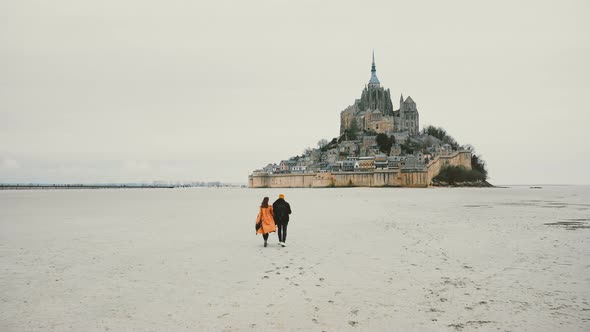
307, 180
374, 178
457, 158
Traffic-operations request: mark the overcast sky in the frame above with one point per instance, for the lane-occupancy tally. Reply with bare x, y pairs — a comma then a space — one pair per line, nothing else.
124, 91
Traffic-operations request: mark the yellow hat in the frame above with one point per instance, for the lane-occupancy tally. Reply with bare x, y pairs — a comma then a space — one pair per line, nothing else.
281, 196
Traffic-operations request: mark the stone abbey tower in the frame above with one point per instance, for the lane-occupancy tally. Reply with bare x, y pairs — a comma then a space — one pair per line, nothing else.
374, 112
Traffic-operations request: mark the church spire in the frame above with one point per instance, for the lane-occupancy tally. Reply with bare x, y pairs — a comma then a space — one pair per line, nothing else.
374, 81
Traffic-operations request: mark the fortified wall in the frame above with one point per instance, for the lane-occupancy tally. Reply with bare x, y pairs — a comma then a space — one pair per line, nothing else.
459, 158
374, 178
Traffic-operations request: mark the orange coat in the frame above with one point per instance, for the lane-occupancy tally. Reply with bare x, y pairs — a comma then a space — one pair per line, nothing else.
268, 222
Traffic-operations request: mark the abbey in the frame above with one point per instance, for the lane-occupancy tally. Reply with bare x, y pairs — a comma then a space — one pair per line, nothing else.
374, 112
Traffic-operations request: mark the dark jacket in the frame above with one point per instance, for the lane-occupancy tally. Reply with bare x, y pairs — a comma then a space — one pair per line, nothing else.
281, 210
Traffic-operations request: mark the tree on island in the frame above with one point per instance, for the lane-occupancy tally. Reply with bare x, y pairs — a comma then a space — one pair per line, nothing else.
442, 135
333, 144
479, 166
352, 132
454, 174
410, 146
385, 143
437, 132
322, 143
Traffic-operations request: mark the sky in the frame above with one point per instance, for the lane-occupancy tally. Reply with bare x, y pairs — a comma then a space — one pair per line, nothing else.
142, 91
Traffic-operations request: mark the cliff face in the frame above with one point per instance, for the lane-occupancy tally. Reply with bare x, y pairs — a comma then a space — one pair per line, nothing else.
346, 117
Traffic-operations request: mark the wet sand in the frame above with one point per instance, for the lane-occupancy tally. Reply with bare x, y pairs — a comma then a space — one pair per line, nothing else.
445, 259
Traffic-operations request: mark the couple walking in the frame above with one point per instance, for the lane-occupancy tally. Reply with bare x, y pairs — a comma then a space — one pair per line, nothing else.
271, 217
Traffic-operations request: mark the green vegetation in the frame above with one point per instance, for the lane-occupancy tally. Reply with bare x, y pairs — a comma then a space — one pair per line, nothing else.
352, 132
442, 135
410, 146
437, 132
478, 166
455, 174
333, 144
323, 142
385, 143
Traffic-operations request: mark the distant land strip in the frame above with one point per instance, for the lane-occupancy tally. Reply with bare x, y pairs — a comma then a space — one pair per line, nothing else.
80, 186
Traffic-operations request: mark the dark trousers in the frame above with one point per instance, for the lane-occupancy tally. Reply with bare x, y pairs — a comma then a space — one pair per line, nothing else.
282, 231
265, 237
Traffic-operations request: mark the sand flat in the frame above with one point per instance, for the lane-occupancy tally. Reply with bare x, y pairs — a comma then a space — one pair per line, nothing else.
357, 259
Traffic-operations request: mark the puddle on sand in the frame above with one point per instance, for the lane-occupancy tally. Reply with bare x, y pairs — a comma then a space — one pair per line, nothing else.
571, 224
537, 203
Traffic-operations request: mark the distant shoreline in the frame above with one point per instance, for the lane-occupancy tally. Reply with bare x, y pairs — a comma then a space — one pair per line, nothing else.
79, 186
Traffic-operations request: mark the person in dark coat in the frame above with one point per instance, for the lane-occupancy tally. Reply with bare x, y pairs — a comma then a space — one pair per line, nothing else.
281, 210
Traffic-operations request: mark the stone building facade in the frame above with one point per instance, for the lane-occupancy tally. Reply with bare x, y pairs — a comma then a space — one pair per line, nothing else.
374, 112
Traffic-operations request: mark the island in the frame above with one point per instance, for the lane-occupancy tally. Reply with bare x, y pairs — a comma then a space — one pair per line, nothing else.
378, 147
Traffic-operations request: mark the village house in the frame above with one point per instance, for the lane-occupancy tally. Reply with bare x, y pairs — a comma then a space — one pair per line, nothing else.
381, 161
366, 163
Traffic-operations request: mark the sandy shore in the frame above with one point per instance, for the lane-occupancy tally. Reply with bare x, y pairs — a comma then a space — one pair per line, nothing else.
357, 259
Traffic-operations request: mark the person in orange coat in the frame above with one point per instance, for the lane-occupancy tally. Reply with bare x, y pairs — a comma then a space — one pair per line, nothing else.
266, 220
